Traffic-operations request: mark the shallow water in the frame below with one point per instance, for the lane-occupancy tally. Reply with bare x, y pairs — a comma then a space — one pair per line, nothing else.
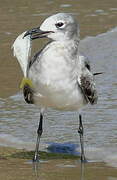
18, 121
55, 170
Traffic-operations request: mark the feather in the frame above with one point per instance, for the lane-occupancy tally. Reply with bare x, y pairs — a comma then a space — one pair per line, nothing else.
28, 94
98, 73
22, 51
88, 88
86, 81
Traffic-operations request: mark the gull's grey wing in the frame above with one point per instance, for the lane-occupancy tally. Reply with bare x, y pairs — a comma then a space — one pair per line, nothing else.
28, 91
86, 82
35, 57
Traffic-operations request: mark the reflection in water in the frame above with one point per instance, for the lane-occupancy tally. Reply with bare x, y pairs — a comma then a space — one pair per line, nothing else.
36, 170
81, 168
19, 169
82, 171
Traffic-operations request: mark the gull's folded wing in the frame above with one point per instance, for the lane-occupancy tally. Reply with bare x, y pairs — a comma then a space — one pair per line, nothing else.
86, 82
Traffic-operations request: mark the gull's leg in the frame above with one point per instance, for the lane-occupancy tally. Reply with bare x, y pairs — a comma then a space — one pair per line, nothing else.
81, 132
39, 133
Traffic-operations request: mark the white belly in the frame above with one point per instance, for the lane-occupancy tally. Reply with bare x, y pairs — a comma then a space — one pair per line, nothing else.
61, 100
58, 91
55, 81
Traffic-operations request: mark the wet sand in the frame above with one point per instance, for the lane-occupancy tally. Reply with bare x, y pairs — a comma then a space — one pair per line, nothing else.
13, 166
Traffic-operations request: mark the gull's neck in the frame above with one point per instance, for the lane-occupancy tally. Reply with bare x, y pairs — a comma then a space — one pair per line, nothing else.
69, 45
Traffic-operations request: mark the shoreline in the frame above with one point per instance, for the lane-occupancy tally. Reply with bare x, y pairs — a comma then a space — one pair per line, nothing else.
16, 164
11, 152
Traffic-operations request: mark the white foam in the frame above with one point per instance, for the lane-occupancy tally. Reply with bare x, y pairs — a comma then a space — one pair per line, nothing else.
11, 141
106, 155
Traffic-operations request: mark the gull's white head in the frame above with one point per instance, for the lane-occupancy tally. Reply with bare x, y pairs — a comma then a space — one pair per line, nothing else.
58, 27
62, 25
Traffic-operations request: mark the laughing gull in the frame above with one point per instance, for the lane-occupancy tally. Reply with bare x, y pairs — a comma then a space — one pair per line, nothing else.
58, 77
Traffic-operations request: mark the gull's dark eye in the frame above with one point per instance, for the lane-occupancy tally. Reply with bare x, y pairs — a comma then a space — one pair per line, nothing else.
59, 24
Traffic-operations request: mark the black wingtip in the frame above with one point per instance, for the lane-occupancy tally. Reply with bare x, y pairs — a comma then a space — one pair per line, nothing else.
28, 94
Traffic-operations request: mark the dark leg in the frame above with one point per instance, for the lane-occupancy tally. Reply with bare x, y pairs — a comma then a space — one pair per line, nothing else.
80, 131
39, 133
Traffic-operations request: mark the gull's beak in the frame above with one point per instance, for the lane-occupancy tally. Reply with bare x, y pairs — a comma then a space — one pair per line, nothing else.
37, 33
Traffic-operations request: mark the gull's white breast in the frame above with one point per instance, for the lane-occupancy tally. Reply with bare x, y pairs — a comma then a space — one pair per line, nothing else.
54, 75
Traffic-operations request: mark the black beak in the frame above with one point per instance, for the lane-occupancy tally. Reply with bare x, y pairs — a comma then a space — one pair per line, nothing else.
37, 33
